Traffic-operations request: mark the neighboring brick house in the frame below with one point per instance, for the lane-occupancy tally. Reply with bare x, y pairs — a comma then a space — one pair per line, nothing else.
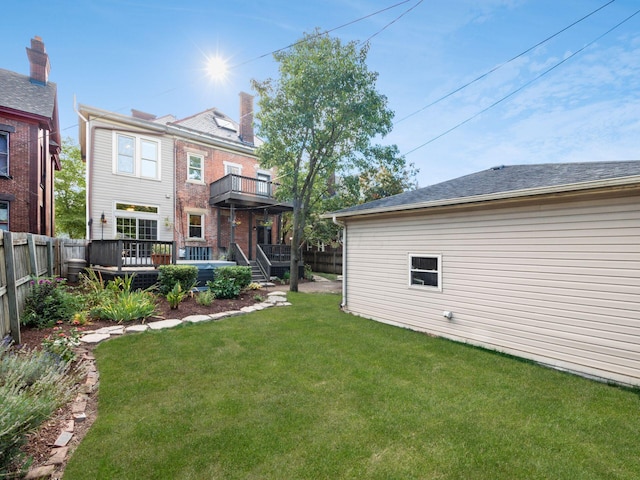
204, 190
29, 146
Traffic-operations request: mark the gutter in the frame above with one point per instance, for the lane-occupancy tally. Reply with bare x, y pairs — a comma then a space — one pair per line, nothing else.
512, 194
343, 304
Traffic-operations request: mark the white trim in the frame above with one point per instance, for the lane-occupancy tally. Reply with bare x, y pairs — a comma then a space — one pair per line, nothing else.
202, 224
201, 157
137, 155
438, 271
231, 164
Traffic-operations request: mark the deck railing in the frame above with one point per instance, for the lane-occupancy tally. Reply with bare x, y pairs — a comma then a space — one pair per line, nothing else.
240, 184
130, 253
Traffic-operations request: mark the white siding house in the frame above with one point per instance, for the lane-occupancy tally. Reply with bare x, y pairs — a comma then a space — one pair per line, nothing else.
130, 176
538, 261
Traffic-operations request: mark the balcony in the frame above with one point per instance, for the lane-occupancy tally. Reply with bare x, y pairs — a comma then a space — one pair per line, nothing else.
235, 189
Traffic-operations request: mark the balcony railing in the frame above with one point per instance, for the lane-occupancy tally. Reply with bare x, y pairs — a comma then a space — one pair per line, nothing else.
131, 253
244, 185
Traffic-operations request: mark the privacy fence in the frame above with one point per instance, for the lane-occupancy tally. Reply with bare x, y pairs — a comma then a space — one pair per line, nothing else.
22, 257
328, 260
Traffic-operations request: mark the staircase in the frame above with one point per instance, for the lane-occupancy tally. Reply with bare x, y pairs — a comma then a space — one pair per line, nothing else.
256, 274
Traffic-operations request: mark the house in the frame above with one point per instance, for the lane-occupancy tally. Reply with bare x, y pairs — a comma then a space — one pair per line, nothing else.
29, 145
194, 182
537, 261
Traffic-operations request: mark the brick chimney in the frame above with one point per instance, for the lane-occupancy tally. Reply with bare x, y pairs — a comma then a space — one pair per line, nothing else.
39, 61
246, 117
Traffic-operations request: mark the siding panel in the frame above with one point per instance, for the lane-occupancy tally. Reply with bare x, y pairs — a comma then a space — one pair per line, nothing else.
559, 284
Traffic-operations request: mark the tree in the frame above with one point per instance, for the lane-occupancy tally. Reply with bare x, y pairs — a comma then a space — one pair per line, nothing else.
70, 186
320, 115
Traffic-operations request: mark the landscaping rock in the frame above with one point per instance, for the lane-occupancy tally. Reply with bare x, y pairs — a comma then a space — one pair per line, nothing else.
95, 337
164, 324
197, 318
40, 472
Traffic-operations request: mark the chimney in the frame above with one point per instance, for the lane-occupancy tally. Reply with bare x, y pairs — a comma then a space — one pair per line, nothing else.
39, 61
246, 117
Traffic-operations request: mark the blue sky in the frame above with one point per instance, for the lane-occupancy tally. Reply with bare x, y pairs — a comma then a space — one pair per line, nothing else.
151, 54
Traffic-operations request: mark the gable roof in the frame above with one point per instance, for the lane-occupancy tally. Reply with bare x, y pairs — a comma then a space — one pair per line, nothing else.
214, 122
20, 94
503, 182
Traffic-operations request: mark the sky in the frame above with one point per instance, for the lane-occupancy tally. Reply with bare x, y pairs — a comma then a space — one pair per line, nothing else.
572, 98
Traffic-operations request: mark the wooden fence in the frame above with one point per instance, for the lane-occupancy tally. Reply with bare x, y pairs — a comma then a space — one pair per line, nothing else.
22, 257
329, 261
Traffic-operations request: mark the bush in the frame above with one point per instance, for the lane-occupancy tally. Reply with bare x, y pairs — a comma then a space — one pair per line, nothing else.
205, 298
224, 288
49, 301
121, 304
33, 385
61, 345
176, 295
241, 276
169, 275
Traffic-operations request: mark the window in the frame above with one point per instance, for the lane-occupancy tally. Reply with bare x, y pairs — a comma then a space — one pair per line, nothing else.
196, 224
425, 270
194, 170
4, 216
137, 156
235, 169
4, 154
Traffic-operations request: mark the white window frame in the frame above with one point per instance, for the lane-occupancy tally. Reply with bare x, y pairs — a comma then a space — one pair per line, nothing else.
202, 225
138, 159
189, 168
438, 271
230, 165
133, 214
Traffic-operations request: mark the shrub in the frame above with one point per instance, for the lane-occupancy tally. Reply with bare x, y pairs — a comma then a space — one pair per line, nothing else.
175, 296
241, 276
33, 384
254, 286
205, 298
121, 304
224, 288
169, 275
47, 302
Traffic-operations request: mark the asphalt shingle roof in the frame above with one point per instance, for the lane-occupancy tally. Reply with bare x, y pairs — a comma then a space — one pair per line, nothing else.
19, 93
507, 179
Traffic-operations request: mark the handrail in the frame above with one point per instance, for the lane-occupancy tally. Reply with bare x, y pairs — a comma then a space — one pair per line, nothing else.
263, 262
238, 255
130, 252
241, 184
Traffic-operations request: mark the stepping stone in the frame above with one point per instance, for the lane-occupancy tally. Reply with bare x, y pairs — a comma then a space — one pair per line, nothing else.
119, 330
58, 456
136, 328
277, 294
40, 472
63, 439
248, 309
164, 324
277, 299
197, 318
95, 337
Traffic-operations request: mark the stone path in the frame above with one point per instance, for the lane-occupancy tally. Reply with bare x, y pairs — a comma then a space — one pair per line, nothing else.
60, 449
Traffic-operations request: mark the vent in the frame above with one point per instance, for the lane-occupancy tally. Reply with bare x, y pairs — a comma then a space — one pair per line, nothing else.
499, 167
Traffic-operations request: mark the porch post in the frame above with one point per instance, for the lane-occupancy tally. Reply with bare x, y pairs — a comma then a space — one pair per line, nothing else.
232, 219
250, 234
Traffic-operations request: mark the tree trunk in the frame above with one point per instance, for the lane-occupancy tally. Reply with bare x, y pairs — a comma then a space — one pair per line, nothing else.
296, 240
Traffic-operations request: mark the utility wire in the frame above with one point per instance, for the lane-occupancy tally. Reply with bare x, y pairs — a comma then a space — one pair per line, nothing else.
525, 85
395, 20
502, 64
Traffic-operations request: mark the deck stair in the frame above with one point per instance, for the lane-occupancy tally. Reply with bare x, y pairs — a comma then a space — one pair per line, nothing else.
256, 274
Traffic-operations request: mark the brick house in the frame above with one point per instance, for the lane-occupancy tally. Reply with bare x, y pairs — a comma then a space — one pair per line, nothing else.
29, 145
194, 181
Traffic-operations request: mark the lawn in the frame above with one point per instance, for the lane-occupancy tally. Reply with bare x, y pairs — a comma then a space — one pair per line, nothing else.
308, 392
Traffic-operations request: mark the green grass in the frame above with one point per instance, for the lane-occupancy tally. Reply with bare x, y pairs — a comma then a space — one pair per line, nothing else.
328, 276
308, 392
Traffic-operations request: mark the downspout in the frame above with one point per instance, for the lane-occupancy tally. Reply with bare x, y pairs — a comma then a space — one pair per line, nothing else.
87, 174
343, 305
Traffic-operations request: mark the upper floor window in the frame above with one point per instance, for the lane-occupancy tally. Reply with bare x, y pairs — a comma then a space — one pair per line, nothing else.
137, 156
4, 154
4, 215
195, 168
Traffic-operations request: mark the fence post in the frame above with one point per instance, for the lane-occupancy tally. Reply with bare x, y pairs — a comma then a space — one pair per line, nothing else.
50, 268
33, 261
12, 291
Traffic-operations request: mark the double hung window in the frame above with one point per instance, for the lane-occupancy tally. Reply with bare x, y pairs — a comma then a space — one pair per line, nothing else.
425, 271
137, 156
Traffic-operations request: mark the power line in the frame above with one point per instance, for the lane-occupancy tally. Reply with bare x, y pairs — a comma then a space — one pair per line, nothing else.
395, 20
489, 72
525, 85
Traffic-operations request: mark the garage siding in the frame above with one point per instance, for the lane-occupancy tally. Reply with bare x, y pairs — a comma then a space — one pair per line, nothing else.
559, 284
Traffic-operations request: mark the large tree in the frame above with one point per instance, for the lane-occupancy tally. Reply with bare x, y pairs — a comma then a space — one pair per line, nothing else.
70, 186
317, 120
